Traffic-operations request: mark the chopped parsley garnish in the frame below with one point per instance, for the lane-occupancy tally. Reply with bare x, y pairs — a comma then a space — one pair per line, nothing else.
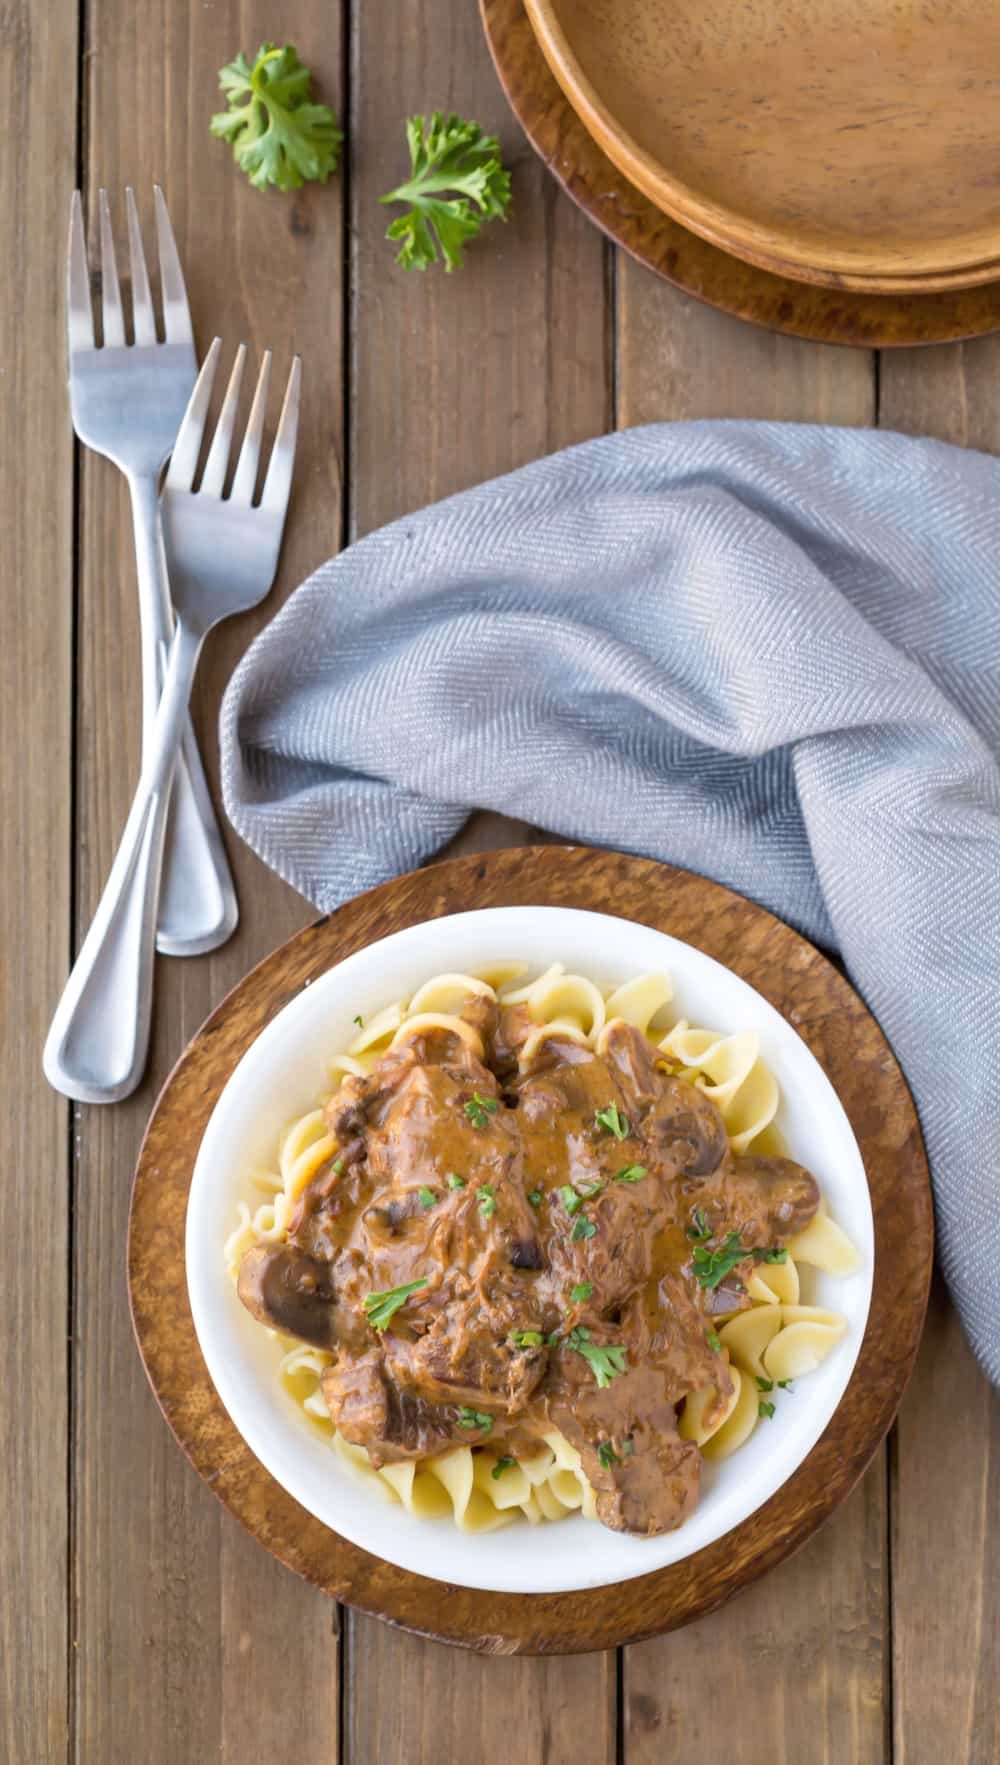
699, 1229
711, 1266
359, 1020
382, 1307
454, 1182
628, 1447
714, 1342
426, 1197
500, 1467
765, 1410
573, 1199
479, 1109
527, 1338
633, 1173
536, 1197
605, 1363
765, 1384
785, 1385
474, 1418
581, 1291
773, 1255
612, 1120
552, 1339
487, 1200
607, 1455
582, 1228
338, 1165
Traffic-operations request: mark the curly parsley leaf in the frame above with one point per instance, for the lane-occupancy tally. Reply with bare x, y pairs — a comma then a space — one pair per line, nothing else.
581, 1291
457, 182
765, 1410
487, 1200
582, 1228
382, 1307
604, 1362
278, 136
426, 1197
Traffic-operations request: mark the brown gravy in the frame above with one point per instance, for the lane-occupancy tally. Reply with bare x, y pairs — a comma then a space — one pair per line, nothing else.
567, 1229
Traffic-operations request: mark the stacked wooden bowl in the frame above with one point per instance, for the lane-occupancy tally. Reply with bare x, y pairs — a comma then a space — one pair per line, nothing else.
849, 143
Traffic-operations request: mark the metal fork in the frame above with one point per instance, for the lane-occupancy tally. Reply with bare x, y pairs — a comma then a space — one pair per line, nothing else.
127, 400
222, 554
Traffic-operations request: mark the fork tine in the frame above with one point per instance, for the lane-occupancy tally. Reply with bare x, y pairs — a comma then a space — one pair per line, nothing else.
245, 477
79, 311
187, 447
111, 300
278, 483
176, 313
143, 322
214, 476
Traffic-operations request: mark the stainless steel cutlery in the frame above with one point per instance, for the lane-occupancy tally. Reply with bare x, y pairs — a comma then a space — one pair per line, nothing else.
127, 396
202, 555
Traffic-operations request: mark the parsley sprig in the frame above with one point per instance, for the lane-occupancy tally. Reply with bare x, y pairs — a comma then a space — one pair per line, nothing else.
277, 135
457, 182
712, 1266
382, 1307
604, 1362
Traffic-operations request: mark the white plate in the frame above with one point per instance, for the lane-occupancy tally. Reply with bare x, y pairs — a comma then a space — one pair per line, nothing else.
282, 1075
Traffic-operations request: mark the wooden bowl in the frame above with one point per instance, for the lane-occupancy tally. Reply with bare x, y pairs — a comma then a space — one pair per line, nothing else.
854, 143
846, 1040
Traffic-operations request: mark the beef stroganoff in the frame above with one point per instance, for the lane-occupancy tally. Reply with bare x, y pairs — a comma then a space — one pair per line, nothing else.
539, 1251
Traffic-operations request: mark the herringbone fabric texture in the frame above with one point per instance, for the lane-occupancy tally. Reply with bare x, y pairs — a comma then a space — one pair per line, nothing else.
766, 652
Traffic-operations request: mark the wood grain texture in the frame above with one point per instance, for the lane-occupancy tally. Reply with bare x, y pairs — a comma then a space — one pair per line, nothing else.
829, 1606
458, 378
827, 139
36, 460
455, 379
946, 1480
829, 1016
778, 303
183, 1626
448, 1705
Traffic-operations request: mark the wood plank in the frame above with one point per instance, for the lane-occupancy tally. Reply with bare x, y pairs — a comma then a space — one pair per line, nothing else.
456, 379
37, 53
409, 1699
184, 1624
946, 1604
803, 1649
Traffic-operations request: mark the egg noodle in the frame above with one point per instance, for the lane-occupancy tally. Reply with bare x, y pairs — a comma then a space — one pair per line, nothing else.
776, 1340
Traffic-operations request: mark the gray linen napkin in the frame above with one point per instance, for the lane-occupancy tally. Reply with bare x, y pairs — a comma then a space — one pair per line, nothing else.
766, 652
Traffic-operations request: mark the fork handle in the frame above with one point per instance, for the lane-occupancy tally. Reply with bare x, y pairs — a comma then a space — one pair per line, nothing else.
198, 910
99, 1038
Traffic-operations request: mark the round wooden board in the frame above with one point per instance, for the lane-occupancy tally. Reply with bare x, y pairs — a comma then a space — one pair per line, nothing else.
842, 1034
692, 264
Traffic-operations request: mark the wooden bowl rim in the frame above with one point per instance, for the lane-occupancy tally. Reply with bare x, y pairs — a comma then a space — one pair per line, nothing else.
485, 1621
937, 269
844, 318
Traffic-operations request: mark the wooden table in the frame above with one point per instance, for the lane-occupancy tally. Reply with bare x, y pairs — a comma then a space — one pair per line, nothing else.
140, 1624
